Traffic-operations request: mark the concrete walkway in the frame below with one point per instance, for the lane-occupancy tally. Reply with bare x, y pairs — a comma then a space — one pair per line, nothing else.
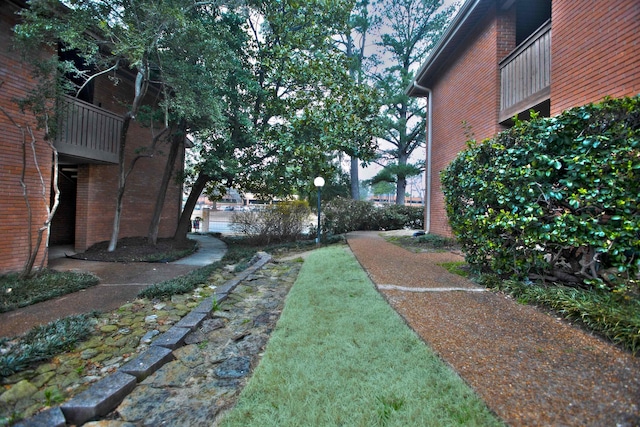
209, 251
119, 283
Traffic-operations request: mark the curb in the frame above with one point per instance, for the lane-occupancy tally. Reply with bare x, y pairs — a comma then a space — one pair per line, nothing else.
105, 395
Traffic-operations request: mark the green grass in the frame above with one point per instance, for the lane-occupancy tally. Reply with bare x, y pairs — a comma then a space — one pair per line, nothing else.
460, 268
341, 356
16, 292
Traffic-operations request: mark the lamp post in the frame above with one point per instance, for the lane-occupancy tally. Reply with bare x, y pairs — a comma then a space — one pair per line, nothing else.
319, 183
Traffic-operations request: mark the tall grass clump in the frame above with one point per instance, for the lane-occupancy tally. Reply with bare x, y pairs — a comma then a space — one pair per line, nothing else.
341, 356
612, 315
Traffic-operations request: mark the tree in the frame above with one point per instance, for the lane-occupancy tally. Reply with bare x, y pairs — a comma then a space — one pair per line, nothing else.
354, 42
383, 188
307, 107
207, 70
162, 42
409, 30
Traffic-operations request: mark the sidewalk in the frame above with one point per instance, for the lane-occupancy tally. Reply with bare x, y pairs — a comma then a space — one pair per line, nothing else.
531, 368
119, 283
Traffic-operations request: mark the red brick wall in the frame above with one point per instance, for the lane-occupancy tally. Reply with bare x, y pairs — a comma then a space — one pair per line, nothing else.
595, 51
98, 195
14, 224
468, 91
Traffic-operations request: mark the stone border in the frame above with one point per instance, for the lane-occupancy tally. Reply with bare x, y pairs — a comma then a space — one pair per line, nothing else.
105, 395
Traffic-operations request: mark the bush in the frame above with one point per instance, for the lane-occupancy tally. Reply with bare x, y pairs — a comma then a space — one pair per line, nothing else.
553, 198
280, 222
344, 215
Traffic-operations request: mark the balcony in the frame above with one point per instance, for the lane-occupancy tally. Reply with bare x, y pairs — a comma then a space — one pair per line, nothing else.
87, 133
525, 75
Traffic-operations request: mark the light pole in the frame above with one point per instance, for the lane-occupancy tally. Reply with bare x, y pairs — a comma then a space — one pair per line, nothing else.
319, 183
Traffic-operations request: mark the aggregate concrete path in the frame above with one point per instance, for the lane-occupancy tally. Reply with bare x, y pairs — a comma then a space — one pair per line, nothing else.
531, 367
117, 285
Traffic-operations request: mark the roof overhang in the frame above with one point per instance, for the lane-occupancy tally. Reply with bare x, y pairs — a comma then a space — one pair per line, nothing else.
454, 36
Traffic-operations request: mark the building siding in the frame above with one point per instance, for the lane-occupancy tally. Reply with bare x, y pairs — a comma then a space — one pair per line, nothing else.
595, 51
14, 225
466, 102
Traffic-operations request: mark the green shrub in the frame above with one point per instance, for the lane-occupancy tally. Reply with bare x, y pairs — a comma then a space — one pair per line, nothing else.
280, 222
342, 215
553, 198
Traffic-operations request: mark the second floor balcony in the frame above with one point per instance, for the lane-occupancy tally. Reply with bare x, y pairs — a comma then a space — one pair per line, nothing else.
87, 133
525, 74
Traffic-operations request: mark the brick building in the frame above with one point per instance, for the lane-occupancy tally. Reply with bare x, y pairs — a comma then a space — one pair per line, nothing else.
87, 144
501, 58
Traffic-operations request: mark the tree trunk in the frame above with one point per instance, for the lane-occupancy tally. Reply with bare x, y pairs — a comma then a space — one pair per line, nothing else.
185, 218
355, 180
401, 187
140, 89
176, 143
121, 184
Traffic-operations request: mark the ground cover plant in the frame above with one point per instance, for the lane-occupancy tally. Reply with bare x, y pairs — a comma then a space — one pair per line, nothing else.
326, 363
44, 342
425, 243
609, 314
16, 292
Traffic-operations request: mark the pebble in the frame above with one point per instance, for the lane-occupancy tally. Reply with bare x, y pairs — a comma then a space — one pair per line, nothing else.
209, 370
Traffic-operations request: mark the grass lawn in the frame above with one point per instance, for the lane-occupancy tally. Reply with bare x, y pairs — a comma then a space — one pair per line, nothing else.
341, 356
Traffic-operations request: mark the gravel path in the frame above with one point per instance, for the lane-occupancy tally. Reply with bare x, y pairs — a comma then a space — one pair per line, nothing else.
532, 369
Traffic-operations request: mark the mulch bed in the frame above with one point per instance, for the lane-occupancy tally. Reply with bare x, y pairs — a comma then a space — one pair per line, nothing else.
136, 249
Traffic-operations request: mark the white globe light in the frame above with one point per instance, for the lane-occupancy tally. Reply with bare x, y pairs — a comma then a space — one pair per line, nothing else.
319, 182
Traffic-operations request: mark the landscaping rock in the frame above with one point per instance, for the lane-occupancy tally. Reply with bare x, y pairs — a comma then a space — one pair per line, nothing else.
237, 330
20, 391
